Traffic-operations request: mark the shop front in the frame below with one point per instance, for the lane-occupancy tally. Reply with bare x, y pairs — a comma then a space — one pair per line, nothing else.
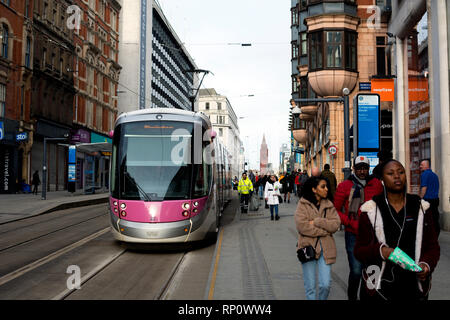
8, 156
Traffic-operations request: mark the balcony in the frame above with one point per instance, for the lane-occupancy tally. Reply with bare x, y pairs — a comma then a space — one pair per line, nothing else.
306, 117
329, 83
309, 109
300, 136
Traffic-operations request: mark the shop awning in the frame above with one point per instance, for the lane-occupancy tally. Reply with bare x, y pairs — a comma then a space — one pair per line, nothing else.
103, 147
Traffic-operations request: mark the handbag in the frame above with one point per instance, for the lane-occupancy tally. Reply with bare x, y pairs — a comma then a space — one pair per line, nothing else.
307, 253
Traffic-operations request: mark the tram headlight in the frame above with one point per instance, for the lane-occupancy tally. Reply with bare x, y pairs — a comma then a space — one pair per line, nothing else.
123, 206
195, 203
115, 203
185, 213
115, 210
195, 210
123, 213
186, 206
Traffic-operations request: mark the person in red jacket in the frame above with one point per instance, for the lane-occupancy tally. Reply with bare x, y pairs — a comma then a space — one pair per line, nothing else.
350, 195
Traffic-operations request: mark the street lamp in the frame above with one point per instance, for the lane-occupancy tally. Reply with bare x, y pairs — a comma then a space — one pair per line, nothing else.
44, 164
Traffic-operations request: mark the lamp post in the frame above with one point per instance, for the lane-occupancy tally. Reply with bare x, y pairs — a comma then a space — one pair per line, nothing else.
44, 165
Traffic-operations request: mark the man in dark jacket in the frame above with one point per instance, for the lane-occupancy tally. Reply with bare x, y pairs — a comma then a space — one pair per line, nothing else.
349, 197
326, 173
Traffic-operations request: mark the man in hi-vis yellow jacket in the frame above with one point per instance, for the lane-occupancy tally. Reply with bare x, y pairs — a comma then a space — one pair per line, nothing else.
245, 189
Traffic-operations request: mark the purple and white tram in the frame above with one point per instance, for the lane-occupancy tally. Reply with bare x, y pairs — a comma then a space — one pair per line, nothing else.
168, 179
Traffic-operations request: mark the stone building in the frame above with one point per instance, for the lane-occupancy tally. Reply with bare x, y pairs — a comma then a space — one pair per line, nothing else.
335, 45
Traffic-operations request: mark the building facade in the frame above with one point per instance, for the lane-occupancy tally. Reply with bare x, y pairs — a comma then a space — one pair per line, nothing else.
96, 77
158, 72
420, 49
16, 41
53, 90
224, 121
340, 44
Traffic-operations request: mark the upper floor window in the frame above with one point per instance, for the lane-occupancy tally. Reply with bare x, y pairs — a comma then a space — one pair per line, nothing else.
207, 106
5, 39
303, 44
294, 16
219, 106
327, 50
7, 2
294, 50
2, 99
28, 52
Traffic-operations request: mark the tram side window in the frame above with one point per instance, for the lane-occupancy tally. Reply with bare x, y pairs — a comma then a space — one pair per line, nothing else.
203, 177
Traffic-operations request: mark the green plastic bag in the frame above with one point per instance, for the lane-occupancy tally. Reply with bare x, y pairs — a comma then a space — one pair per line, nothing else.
399, 257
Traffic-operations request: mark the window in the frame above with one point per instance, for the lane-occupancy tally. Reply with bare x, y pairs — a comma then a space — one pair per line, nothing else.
2, 99
219, 106
220, 132
295, 85
383, 58
207, 106
221, 119
7, 2
303, 44
350, 45
294, 50
44, 13
98, 117
316, 51
28, 52
5, 39
44, 58
294, 16
333, 49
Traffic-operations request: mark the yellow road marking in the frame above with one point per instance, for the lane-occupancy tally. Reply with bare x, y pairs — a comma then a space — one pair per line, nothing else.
216, 265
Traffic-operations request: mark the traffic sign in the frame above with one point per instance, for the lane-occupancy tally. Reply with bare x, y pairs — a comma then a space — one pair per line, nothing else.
332, 150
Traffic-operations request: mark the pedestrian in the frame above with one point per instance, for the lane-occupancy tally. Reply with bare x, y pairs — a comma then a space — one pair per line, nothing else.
271, 194
429, 191
317, 220
303, 178
245, 189
350, 195
251, 176
395, 219
288, 186
235, 183
35, 182
331, 177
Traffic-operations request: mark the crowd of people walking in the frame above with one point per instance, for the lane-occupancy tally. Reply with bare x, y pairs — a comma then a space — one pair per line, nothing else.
391, 236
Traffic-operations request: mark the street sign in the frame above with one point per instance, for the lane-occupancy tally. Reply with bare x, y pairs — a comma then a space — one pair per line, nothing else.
72, 173
23, 136
1, 130
365, 86
332, 150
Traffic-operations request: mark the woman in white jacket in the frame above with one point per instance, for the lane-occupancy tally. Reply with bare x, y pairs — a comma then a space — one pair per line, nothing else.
271, 193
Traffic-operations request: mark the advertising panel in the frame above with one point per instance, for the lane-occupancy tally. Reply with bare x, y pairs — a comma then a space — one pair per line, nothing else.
368, 122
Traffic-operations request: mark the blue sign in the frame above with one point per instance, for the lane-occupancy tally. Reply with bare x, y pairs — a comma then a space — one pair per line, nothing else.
23, 136
72, 154
368, 121
72, 173
2, 134
365, 86
143, 54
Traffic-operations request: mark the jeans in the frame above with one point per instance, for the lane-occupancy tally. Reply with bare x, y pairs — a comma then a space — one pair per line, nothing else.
309, 278
354, 278
261, 191
244, 202
272, 208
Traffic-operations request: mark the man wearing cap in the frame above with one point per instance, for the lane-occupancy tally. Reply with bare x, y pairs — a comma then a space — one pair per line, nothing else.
245, 189
350, 195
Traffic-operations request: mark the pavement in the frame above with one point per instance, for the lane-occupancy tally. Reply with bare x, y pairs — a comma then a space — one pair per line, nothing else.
256, 260
20, 206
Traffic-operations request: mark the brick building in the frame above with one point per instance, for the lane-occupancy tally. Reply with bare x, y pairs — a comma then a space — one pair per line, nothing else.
16, 38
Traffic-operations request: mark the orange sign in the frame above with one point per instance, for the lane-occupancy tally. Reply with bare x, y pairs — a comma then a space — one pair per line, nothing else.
418, 89
384, 87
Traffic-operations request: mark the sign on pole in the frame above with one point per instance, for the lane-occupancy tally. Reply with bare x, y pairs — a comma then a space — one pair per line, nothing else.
368, 119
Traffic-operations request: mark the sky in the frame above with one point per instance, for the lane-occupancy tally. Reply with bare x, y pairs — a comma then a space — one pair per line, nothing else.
209, 28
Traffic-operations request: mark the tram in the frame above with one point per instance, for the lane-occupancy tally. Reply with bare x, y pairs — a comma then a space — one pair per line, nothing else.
170, 177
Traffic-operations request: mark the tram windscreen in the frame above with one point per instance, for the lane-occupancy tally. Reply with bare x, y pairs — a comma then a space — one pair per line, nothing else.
153, 160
